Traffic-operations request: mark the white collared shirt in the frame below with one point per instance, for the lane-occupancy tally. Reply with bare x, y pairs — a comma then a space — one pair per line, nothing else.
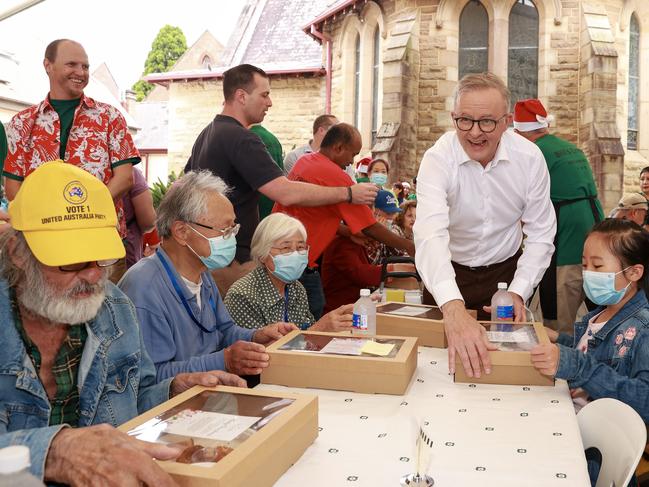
477, 216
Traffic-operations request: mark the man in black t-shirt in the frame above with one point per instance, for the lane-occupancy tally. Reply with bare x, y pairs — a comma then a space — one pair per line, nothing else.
238, 156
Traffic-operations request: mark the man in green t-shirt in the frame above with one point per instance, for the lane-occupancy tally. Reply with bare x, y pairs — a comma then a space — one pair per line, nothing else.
574, 197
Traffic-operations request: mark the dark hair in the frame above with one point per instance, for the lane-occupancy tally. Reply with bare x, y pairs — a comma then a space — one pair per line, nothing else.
374, 161
52, 49
323, 121
340, 133
629, 242
240, 77
644, 170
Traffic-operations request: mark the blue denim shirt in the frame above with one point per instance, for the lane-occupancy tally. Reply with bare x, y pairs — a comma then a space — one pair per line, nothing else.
176, 344
116, 378
617, 362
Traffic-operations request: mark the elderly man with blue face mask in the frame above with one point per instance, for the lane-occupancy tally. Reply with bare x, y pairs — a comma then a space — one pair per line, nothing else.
185, 325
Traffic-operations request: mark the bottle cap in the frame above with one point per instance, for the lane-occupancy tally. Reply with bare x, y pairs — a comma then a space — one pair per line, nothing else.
365, 292
14, 459
502, 285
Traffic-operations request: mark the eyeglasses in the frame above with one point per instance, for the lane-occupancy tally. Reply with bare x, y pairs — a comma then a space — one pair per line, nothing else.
487, 125
225, 232
78, 267
301, 249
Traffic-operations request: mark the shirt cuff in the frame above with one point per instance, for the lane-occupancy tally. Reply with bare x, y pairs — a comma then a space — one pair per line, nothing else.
446, 291
521, 287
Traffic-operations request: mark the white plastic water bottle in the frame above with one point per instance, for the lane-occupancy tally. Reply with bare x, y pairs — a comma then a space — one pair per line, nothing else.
502, 304
364, 318
14, 468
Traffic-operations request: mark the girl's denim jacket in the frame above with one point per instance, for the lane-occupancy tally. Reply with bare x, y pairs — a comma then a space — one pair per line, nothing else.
617, 362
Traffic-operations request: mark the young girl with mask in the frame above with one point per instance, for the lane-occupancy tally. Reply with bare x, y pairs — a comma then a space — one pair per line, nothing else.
271, 292
609, 353
378, 172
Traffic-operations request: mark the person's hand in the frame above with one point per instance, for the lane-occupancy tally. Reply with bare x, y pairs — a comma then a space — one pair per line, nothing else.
553, 335
519, 308
339, 319
272, 332
466, 338
245, 358
364, 193
182, 382
102, 455
545, 358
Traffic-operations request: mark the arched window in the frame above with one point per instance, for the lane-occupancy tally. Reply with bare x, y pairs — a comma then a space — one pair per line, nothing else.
523, 56
474, 39
376, 62
357, 82
634, 83
206, 62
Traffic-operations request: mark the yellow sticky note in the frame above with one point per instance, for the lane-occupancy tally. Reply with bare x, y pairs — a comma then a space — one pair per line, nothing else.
396, 295
373, 348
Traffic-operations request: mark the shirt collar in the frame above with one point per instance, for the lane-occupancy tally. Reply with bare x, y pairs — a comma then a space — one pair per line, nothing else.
501, 152
269, 295
86, 101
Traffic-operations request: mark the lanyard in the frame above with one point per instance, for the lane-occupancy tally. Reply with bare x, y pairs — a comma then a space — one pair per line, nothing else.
179, 291
285, 304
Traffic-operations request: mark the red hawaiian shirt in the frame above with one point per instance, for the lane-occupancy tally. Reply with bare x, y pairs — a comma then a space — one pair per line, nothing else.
98, 142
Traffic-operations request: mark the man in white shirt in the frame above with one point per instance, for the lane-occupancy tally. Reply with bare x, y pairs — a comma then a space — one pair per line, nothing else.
320, 127
479, 189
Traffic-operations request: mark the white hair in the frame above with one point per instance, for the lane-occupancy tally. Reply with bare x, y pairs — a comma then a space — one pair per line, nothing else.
186, 200
271, 229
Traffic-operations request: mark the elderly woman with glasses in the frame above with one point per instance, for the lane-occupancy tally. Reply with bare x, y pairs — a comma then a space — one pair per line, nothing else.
271, 292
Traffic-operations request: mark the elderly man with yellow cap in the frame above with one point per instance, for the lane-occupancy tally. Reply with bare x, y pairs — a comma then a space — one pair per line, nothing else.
72, 361
574, 198
634, 207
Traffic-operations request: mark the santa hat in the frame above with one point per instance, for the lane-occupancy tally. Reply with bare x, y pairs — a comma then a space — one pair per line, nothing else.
530, 115
362, 165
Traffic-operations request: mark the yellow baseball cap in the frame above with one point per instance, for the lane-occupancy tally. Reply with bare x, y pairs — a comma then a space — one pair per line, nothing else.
67, 216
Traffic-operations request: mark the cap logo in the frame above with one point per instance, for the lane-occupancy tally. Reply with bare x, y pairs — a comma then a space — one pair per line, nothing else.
75, 193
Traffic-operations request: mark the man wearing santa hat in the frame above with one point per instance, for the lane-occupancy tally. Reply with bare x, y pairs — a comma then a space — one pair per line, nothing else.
574, 197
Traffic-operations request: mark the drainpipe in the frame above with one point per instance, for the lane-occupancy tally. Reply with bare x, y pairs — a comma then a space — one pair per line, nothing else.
324, 38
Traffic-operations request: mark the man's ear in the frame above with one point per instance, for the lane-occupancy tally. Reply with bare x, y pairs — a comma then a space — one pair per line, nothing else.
47, 65
180, 232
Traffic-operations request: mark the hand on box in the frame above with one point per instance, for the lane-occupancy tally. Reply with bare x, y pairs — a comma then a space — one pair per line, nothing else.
245, 358
272, 332
102, 455
466, 338
182, 382
545, 358
339, 319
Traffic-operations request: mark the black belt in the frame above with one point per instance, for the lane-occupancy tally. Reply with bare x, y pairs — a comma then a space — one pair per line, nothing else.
490, 266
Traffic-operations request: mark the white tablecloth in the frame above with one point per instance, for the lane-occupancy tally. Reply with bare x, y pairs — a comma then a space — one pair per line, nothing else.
482, 435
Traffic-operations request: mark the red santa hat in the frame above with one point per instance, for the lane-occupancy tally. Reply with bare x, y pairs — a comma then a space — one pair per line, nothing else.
362, 165
530, 115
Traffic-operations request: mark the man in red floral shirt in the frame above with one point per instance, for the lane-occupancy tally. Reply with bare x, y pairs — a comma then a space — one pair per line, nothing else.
69, 125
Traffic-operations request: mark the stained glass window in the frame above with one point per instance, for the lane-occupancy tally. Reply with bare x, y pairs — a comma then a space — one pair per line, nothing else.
474, 39
523, 55
634, 83
357, 82
375, 83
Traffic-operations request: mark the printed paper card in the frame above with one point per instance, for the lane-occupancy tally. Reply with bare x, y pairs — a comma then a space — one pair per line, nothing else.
344, 346
206, 424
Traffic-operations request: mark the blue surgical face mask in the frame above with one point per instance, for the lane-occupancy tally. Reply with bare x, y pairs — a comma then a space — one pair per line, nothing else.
289, 267
222, 251
379, 178
600, 287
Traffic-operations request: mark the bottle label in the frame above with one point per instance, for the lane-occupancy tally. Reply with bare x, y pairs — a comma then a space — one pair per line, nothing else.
504, 313
359, 321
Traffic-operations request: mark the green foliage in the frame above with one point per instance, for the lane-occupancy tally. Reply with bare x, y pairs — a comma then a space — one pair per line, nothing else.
167, 47
159, 189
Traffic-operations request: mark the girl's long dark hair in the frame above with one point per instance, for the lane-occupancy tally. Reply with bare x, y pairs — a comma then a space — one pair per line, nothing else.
629, 242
